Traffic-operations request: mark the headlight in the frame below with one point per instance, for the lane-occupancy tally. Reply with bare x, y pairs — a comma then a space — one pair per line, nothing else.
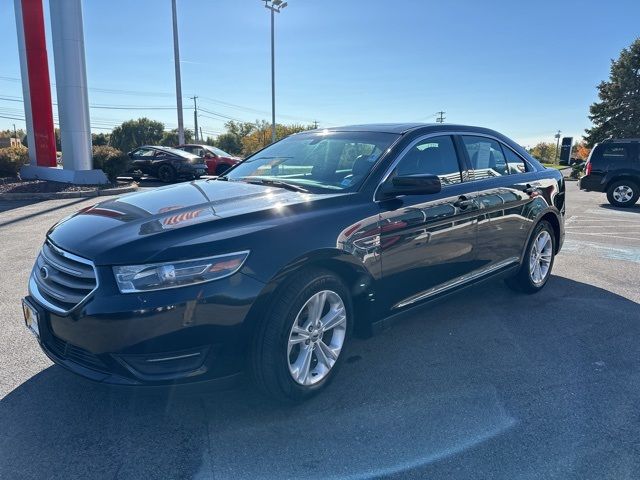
158, 276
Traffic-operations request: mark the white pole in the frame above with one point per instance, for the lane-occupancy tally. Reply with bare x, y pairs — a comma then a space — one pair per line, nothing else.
71, 83
176, 60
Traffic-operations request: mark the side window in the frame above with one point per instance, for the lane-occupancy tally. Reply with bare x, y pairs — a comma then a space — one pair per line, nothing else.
515, 164
143, 152
613, 152
434, 155
487, 159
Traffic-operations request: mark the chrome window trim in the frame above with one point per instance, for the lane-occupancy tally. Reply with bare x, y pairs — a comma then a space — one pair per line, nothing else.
531, 168
35, 292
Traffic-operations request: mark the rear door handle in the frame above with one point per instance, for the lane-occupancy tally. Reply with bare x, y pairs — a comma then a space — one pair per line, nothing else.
463, 202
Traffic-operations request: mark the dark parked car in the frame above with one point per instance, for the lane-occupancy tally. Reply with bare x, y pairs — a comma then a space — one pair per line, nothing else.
614, 167
166, 163
276, 264
218, 161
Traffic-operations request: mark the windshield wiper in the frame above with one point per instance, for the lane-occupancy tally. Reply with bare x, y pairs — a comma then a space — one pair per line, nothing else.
276, 183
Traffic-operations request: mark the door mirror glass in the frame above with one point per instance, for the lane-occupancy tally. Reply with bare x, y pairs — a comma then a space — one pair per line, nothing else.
416, 184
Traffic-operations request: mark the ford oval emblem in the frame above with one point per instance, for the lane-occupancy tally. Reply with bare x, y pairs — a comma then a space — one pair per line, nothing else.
44, 273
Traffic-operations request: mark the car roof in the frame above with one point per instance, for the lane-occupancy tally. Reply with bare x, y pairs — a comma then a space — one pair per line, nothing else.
402, 128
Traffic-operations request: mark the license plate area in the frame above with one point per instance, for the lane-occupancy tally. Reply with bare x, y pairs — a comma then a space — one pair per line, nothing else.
31, 317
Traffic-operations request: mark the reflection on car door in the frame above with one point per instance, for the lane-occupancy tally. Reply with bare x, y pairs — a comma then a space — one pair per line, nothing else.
427, 240
505, 193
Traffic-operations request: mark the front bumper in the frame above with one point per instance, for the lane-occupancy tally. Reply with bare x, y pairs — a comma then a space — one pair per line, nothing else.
171, 336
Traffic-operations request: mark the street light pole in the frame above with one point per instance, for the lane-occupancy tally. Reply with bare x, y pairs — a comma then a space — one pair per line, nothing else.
275, 6
555, 157
176, 59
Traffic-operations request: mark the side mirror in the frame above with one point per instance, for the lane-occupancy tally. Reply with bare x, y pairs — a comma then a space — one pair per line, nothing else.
420, 184
209, 155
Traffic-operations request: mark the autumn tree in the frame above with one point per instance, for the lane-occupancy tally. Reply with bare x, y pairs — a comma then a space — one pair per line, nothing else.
617, 114
544, 152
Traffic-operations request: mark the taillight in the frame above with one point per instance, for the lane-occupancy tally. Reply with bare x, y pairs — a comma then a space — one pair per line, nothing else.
587, 169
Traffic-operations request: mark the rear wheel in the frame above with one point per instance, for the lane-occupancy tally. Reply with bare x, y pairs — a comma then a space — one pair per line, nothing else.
300, 343
166, 173
623, 193
538, 261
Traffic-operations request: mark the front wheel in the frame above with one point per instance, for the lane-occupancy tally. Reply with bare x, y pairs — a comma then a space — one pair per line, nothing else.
300, 343
538, 261
623, 193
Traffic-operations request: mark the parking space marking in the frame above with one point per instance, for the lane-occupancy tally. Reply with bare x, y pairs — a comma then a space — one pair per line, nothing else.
604, 251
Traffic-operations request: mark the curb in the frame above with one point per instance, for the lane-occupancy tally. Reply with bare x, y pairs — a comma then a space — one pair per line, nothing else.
62, 195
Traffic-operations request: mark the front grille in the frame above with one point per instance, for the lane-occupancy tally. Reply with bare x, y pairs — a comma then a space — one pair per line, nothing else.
60, 279
66, 351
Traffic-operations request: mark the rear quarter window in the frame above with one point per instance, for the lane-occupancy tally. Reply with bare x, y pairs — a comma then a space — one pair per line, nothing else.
612, 153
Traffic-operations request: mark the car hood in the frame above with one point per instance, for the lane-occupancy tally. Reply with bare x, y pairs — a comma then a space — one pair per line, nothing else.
185, 220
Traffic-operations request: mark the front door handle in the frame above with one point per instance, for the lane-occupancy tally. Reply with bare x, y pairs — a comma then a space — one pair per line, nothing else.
463, 202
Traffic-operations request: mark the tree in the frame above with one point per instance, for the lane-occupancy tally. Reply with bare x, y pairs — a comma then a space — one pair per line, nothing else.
100, 139
171, 138
617, 114
133, 133
261, 136
229, 143
581, 151
544, 152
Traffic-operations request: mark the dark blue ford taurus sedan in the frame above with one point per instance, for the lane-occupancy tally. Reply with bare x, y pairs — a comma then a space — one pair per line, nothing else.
272, 267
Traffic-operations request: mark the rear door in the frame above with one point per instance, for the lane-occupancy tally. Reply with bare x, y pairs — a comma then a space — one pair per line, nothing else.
427, 241
506, 187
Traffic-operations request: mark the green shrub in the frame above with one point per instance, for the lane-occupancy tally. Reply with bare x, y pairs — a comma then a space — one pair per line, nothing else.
577, 170
11, 159
111, 161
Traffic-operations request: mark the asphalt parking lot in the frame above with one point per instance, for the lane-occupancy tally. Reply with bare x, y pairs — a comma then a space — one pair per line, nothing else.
491, 384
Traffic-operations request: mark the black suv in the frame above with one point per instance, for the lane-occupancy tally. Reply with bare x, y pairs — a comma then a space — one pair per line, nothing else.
165, 163
275, 264
614, 167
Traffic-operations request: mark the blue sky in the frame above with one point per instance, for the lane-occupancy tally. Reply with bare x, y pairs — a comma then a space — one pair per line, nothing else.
523, 68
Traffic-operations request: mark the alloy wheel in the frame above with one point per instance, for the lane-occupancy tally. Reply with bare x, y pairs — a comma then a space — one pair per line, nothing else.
316, 337
540, 257
622, 193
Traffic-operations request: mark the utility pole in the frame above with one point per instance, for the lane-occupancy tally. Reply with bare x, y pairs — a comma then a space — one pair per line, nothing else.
15, 133
315, 124
176, 60
441, 117
555, 157
195, 115
201, 136
275, 6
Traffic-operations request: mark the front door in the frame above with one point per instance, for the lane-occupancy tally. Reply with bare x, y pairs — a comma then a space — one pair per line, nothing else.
427, 241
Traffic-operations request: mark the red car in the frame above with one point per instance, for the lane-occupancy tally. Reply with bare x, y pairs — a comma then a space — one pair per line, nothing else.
218, 161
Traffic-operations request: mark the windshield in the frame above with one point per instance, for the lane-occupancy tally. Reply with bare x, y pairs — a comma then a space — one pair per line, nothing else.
218, 152
318, 161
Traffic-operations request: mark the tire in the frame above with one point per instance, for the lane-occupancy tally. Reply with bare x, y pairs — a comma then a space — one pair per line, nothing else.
623, 193
277, 366
220, 169
167, 174
530, 279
